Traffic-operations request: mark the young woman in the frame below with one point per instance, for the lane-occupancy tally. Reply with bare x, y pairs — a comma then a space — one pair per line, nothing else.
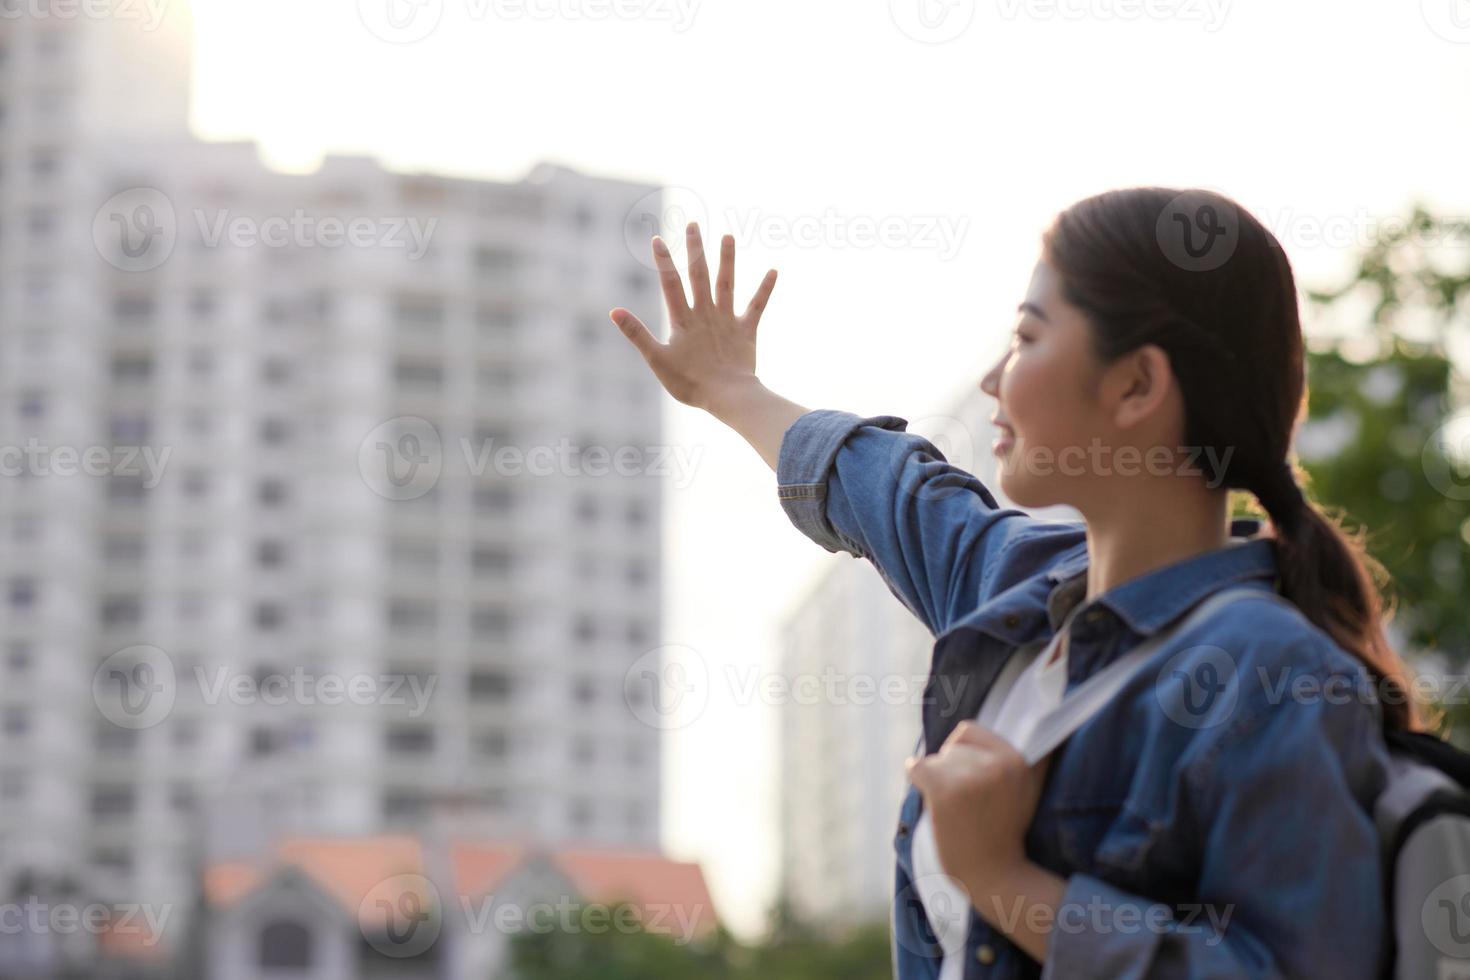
1214, 818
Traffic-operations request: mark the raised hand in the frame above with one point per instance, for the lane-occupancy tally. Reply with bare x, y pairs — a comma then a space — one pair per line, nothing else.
710, 350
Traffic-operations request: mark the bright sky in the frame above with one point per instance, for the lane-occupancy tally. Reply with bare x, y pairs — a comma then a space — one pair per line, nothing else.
1315, 114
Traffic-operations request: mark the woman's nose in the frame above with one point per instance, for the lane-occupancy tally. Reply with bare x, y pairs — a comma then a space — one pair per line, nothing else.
990, 383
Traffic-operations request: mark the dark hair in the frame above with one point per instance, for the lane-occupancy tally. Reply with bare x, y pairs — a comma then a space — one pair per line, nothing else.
1195, 274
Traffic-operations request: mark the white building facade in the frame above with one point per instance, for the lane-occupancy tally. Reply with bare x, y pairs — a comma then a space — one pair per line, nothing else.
325, 497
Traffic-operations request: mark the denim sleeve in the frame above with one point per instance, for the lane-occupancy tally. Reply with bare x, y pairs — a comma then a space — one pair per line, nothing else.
867, 487
1290, 881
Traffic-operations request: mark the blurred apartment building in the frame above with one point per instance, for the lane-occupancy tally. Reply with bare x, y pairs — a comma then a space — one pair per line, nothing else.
862, 657
263, 571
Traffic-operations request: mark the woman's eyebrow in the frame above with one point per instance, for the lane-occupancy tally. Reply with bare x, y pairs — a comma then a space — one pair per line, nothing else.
1033, 309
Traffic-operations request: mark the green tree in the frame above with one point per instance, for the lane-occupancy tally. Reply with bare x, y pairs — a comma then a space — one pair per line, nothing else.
792, 950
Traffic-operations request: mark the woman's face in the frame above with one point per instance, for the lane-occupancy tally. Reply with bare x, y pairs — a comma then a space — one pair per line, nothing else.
1056, 403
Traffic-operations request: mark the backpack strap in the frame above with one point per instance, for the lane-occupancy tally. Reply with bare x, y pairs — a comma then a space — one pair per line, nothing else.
1088, 697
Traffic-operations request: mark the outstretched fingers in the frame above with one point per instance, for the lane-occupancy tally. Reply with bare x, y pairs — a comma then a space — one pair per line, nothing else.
758, 301
698, 268
725, 283
668, 278
643, 339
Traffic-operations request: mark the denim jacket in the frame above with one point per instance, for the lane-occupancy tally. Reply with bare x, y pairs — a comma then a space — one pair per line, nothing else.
1214, 819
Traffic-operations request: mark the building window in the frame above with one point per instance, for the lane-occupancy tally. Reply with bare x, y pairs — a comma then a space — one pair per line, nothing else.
403, 805
132, 369
410, 739
580, 813
16, 722
637, 633
489, 621
32, 404
493, 500
285, 946
418, 374
275, 371
274, 431
130, 430
269, 616
121, 610
493, 260
195, 483
271, 493
495, 318
125, 489
419, 312
112, 801
22, 593
490, 561
410, 615
491, 745
489, 685
134, 307
122, 549
270, 554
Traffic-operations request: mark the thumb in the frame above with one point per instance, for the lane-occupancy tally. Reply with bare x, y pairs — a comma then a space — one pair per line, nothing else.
636, 332
918, 769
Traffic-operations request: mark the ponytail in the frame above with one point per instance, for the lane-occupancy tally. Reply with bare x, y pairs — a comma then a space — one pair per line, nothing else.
1330, 576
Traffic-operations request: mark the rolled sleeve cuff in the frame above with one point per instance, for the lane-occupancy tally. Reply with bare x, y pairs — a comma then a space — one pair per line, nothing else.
808, 450
1102, 931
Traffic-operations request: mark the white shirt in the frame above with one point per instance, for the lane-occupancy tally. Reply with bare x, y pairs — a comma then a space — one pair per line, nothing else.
1038, 689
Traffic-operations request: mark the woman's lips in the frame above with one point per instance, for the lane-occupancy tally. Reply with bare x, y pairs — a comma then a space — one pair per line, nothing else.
1004, 441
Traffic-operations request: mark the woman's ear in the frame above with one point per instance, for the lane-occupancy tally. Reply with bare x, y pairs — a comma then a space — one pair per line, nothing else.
1142, 380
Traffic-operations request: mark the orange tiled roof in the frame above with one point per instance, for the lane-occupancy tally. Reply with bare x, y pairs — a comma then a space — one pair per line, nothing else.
671, 896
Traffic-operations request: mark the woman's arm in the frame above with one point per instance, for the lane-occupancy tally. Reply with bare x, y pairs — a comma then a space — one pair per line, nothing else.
760, 416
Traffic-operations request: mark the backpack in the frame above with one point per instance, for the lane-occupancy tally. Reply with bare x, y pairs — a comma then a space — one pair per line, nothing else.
1422, 815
